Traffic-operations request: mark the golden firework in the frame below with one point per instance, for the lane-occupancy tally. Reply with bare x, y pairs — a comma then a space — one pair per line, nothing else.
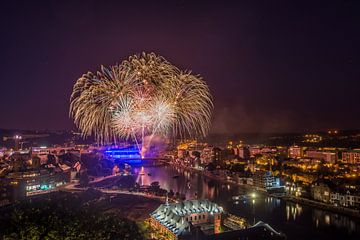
143, 96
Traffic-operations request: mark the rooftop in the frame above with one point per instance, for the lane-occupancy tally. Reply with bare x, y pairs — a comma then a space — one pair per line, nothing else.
172, 215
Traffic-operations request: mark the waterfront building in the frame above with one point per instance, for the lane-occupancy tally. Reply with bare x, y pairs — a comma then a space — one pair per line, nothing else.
345, 199
270, 180
320, 192
177, 219
258, 179
267, 181
245, 180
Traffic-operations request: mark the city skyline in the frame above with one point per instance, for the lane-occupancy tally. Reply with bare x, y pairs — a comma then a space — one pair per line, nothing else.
179, 120
282, 67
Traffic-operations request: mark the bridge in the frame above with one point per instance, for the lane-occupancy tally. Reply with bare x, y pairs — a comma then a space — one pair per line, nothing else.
130, 155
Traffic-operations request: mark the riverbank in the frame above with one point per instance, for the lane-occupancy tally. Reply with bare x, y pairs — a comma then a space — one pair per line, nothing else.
135, 206
323, 206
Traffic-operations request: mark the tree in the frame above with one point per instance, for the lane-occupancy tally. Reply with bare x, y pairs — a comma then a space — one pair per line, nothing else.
84, 179
64, 216
51, 159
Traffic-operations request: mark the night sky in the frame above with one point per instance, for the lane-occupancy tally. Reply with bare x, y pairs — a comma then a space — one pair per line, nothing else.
272, 66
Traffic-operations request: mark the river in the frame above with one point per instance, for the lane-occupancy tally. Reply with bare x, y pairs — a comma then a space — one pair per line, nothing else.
297, 221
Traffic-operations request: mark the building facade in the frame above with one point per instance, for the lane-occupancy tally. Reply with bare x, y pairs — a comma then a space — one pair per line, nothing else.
320, 192
351, 157
176, 219
296, 152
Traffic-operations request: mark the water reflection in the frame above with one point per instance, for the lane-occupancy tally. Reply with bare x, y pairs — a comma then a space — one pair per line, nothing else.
293, 211
295, 220
322, 219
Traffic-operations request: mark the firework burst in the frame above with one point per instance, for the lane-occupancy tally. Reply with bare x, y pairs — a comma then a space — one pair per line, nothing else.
143, 96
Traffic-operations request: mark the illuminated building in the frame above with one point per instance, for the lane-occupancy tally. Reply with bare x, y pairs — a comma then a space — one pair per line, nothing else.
210, 155
351, 157
345, 199
259, 179
244, 152
328, 157
314, 154
176, 219
296, 152
320, 192
268, 150
182, 153
35, 182
266, 180
312, 138
42, 153
190, 149
254, 150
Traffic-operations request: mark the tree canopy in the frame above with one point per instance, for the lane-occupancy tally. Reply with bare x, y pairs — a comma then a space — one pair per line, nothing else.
65, 216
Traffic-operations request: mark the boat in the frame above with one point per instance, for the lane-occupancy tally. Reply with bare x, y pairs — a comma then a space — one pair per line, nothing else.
244, 197
175, 176
238, 198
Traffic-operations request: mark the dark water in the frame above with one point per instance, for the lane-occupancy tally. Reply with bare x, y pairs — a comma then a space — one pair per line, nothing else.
297, 221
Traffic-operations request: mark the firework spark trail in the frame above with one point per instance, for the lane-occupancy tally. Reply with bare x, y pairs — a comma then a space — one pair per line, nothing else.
143, 96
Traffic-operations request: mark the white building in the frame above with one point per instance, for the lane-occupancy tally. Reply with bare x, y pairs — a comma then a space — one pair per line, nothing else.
345, 199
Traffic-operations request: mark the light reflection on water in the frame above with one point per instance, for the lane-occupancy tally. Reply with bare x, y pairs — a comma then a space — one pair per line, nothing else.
297, 221
293, 211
